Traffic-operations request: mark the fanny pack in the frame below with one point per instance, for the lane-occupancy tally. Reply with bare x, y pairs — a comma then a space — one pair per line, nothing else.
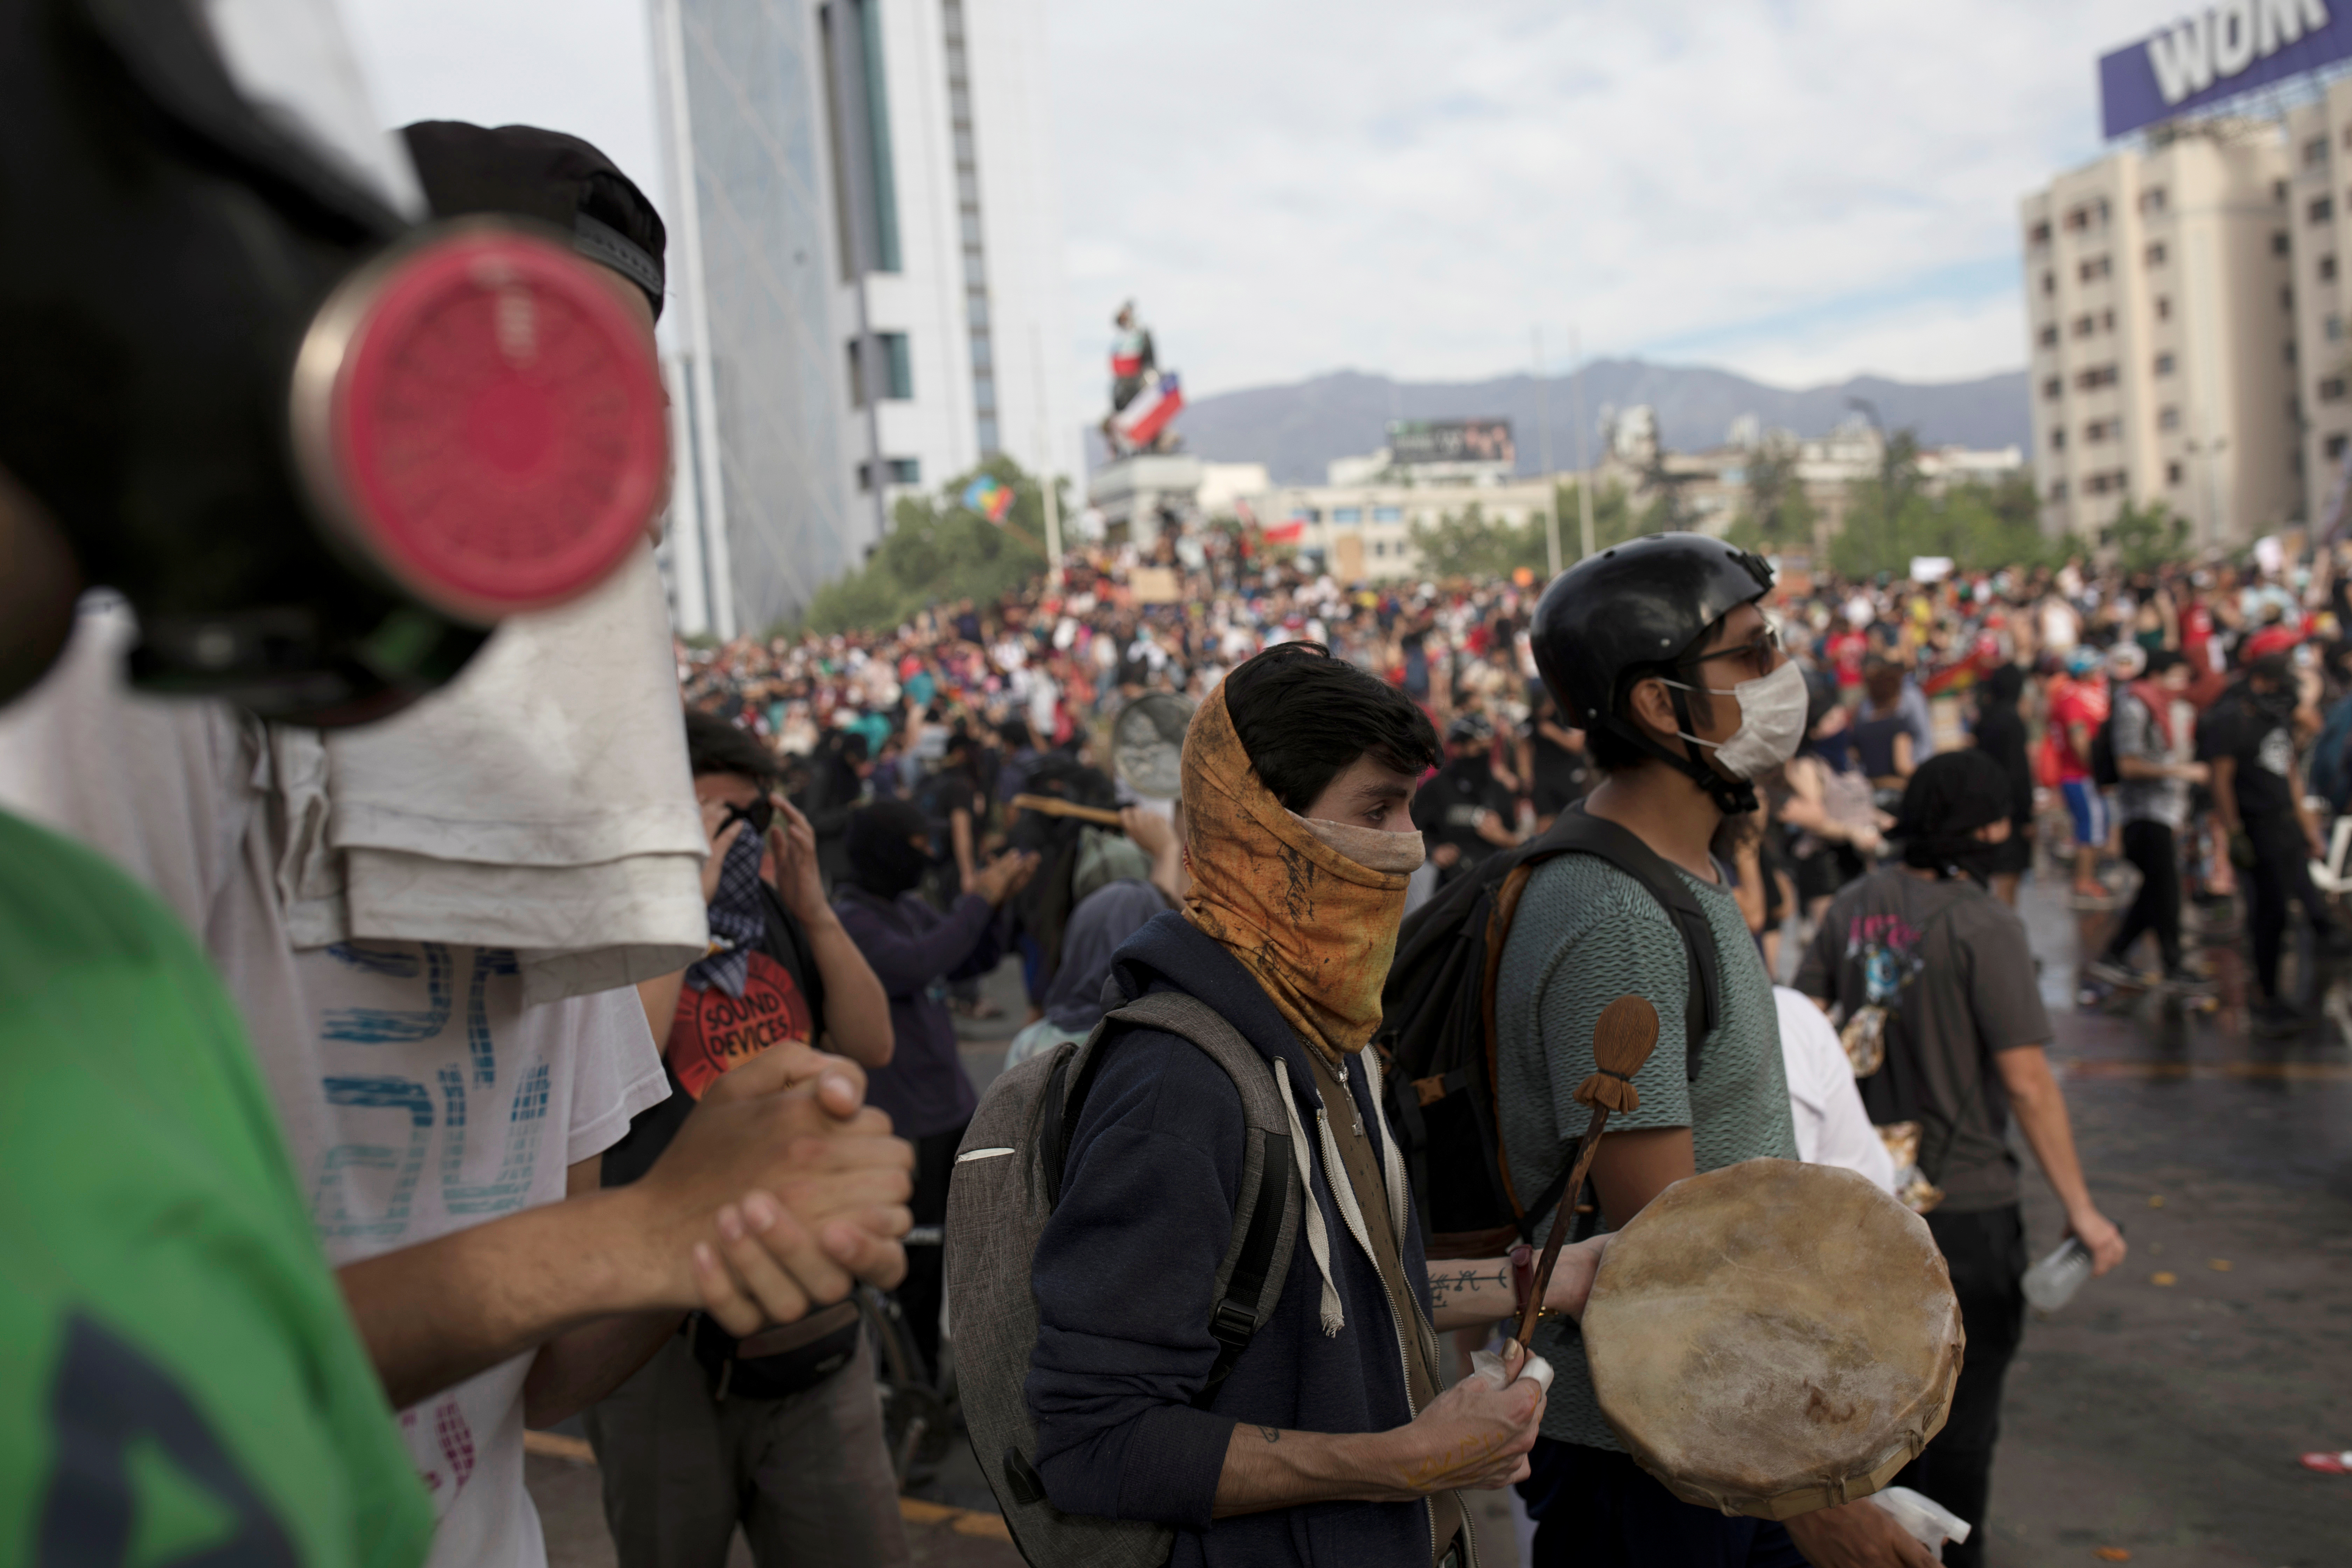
796, 1371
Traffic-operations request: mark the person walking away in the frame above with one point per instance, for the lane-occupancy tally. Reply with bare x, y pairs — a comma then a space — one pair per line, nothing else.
781, 1433
2000, 735
1661, 649
2272, 835
916, 951
1464, 812
1331, 1440
1884, 744
1964, 1036
2151, 729
2077, 708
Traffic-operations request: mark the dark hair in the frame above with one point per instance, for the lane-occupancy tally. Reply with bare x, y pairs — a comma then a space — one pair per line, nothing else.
715, 746
1304, 717
2164, 659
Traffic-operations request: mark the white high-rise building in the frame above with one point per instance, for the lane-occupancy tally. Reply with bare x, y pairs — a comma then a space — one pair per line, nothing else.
2160, 308
801, 135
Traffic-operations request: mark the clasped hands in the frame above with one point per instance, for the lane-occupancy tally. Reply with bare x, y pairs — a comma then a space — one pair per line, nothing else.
781, 1190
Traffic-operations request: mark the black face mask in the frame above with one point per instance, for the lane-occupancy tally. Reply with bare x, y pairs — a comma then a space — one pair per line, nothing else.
2279, 704
319, 453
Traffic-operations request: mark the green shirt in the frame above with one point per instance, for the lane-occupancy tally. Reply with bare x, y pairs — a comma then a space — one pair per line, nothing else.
1585, 934
182, 1377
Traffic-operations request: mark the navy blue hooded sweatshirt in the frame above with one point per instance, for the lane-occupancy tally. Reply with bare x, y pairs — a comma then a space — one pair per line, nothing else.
1124, 1270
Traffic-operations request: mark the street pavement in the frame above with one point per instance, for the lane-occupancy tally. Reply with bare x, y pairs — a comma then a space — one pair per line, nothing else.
2161, 1414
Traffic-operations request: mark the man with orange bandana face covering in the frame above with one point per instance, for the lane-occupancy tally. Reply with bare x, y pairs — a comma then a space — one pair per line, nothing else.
1329, 1441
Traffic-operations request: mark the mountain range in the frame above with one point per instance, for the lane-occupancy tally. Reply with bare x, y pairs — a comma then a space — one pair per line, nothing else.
1297, 429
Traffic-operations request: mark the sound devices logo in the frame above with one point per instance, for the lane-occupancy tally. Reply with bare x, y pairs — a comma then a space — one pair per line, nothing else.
715, 1031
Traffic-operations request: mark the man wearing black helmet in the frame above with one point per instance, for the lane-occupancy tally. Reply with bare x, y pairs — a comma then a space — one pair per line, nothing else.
1660, 651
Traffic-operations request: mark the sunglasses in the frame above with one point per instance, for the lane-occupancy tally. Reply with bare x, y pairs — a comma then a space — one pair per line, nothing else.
761, 814
1758, 658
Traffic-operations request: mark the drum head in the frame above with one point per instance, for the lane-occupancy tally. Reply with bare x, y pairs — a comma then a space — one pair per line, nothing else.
1772, 1338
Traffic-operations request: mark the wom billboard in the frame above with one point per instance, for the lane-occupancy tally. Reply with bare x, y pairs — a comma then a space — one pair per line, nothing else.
2222, 51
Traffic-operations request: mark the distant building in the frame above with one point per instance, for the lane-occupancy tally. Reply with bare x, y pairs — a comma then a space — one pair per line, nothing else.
2319, 216
2160, 308
765, 106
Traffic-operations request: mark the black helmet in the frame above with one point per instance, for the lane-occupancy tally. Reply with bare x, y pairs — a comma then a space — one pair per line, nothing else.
1633, 610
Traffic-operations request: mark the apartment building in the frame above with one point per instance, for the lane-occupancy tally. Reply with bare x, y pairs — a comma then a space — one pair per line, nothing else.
835, 168
2319, 149
2161, 308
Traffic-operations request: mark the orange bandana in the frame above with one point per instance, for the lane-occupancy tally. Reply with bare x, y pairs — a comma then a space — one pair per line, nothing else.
1315, 926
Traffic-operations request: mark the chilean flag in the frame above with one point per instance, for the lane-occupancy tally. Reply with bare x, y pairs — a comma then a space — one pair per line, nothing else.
1142, 421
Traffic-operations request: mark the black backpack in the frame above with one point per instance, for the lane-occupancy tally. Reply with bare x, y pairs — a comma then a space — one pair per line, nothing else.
2102, 751
1437, 1030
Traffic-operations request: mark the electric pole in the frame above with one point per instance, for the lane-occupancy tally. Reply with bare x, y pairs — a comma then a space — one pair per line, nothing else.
1583, 475
1543, 449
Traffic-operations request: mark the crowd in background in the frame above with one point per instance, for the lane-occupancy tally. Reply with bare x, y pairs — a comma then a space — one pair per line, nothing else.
966, 698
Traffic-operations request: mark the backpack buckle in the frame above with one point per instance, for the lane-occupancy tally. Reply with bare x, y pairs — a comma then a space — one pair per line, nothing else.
1233, 1323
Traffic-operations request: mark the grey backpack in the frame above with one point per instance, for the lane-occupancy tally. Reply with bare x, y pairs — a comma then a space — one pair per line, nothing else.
1007, 1178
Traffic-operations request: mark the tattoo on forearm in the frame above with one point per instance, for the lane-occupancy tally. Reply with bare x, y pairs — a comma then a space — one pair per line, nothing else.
1464, 1282
1271, 1434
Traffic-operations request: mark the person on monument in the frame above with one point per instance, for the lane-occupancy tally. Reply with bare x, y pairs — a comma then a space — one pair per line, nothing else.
1332, 1438
1660, 649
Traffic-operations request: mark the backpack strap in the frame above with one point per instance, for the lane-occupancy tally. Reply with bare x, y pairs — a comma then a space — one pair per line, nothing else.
1265, 1221
1578, 832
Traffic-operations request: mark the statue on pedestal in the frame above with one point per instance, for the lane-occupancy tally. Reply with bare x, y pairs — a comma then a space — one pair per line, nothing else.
1144, 399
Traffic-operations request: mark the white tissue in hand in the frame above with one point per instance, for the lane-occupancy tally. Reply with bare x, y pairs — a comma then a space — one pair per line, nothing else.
1490, 1366
1925, 1520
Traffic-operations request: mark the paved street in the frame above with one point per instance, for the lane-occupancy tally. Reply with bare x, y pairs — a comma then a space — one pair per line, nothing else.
2162, 1412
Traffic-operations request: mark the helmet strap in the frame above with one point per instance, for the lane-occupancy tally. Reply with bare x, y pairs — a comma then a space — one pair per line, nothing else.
1732, 797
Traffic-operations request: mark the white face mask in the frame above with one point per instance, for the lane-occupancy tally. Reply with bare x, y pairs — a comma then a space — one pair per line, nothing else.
1772, 721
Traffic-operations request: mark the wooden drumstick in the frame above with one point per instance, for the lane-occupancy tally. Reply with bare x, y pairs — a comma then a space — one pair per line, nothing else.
1621, 1042
1054, 805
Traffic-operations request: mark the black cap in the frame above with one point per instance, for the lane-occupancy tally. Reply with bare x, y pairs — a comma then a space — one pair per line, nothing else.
523, 170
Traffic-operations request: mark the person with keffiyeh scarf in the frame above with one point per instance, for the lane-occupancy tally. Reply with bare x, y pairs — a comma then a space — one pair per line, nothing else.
779, 1432
1332, 1440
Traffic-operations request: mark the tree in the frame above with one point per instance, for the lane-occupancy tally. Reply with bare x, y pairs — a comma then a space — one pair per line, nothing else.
1469, 545
940, 550
1612, 519
1777, 514
2147, 537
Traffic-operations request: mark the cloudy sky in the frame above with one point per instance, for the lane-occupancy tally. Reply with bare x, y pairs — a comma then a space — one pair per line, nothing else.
1800, 190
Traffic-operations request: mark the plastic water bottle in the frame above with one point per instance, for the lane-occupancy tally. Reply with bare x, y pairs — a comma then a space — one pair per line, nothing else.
2052, 1283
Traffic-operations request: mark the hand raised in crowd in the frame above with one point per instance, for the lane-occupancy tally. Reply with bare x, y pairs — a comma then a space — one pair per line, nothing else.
1857, 1535
779, 1192
1006, 875
799, 883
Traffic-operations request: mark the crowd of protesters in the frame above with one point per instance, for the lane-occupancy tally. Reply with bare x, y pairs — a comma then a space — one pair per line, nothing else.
2027, 666
545, 1050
